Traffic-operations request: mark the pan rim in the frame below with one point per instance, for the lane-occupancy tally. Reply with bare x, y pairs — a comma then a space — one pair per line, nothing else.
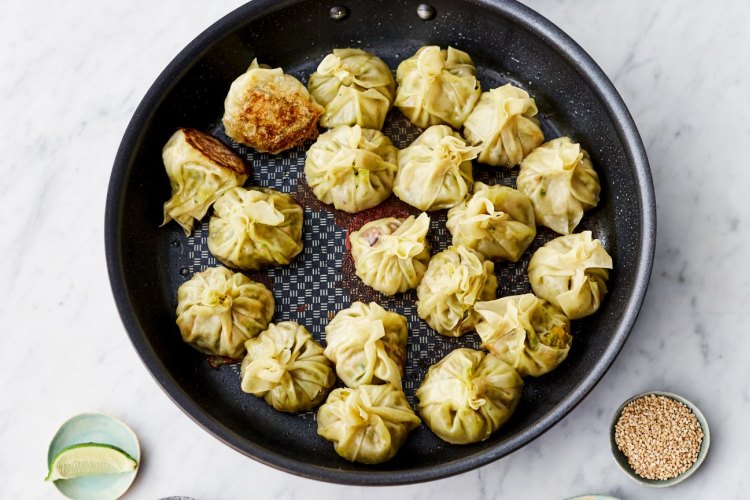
624, 126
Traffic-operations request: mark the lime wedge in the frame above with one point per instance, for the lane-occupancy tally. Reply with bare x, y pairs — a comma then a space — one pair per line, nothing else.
89, 459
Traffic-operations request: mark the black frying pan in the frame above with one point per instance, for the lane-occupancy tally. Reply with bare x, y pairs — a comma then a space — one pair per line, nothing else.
509, 43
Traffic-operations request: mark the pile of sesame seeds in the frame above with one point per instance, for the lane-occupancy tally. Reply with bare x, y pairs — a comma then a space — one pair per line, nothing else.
659, 436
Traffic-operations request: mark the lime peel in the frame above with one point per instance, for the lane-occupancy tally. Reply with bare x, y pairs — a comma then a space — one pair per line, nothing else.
89, 459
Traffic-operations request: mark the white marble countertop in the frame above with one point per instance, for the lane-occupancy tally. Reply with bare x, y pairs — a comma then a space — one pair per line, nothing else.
72, 74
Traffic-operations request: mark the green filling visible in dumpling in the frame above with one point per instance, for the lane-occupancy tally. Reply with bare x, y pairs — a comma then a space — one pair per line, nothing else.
351, 168
525, 331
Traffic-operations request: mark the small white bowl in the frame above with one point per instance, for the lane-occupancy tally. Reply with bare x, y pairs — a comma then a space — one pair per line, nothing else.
622, 461
96, 428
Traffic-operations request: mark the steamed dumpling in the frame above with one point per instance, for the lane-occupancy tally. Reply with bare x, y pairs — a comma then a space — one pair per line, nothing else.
561, 182
503, 124
252, 228
435, 171
391, 255
527, 332
468, 395
367, 424
355, 87
571, 272
497, 221
437, 86
367, 344
286, 366
218, 310
269, 110
200, 169
352, 168
455, 279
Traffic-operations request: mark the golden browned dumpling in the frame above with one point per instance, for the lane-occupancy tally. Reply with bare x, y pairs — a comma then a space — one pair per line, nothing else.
200, 169
270, 111
218, 310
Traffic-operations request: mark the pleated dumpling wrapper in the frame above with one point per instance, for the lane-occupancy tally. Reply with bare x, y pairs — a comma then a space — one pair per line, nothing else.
200, 169
504, 125
367, 344
561, 182
571, 272
435, 171
367, 424
527, 332
497, 221
285, 366
253, 228
437, 86
391, 255
269, 110
455, 280
468, 395
218, 310
355, 87
352, 168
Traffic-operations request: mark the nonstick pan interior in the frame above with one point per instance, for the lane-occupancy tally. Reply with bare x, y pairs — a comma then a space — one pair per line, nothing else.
509, 43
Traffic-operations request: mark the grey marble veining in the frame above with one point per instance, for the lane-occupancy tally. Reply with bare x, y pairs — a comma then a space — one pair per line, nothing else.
72, 74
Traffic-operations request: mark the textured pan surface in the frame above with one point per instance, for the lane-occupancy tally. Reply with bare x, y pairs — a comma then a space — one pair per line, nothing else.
509, 43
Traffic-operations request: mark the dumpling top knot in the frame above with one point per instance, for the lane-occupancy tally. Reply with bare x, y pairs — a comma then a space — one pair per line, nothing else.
333, 65
562, 155
217, 298
409, 241
263, 212
455, 150
504, 125
430, 63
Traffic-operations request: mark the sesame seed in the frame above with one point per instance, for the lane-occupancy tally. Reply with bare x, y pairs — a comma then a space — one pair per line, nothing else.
659, 436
